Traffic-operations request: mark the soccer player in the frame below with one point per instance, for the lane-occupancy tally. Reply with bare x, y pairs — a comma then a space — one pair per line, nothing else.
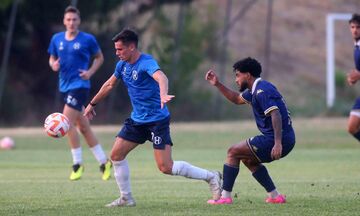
354, 76
147, 87
273, 121
70, 55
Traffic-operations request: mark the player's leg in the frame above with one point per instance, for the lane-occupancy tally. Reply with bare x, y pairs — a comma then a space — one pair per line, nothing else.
119, 151
105, 165
354, 120
160, 136
354, 124
74, 142
182, 168
235, 154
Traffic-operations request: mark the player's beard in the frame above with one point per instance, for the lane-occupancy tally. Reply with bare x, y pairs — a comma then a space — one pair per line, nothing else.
243, 86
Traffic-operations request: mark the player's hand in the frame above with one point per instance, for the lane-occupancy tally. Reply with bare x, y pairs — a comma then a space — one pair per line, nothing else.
55, 66
89, 112
211, 77
353, 77
276, 151
165, 98
84, 74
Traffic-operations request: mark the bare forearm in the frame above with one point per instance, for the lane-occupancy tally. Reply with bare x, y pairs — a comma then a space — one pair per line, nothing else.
103, 93
98, 61
229, 94
277, 125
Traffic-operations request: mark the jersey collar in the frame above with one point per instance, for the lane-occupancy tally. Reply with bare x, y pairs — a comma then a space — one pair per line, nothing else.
357, 43
254, 85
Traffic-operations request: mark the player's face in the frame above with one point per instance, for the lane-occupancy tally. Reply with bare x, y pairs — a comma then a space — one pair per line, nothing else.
71, 22
355, 30
241, 80
124, 52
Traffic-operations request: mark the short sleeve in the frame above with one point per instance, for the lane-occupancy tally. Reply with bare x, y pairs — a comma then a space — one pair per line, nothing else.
93, 45
152, 66
118, 70
52, 48
246, 96
266, 100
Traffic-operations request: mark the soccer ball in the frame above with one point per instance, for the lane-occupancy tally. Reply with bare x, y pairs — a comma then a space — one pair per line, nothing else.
56, 125
7, 143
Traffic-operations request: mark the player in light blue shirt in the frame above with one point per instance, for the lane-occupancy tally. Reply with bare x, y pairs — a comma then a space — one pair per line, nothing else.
147, 86
70, 55
272, 118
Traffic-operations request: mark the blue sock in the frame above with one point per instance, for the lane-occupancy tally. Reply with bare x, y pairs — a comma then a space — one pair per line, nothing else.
357, 135
230, 173
262, 176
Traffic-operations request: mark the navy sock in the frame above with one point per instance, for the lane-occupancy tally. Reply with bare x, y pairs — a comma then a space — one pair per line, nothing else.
230, 173
262, 176
357, 135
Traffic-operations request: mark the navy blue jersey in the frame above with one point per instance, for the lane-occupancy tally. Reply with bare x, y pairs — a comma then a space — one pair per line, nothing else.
74, 55
143, 90
357, 56
265, 98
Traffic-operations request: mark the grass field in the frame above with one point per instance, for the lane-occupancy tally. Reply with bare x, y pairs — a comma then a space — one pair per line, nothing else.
321, 176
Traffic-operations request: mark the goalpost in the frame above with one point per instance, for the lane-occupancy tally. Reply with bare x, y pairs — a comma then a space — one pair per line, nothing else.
330, 55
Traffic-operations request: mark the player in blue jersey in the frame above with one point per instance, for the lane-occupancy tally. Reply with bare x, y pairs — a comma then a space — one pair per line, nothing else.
70, 55
272, 118
147, 87
354, 76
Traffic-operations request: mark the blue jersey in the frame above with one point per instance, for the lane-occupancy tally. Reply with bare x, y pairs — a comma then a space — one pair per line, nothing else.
357, 56
265, 98
143, 90
74, 55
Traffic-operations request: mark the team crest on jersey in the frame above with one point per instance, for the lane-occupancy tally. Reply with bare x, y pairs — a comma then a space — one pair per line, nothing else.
259, 91
61, 46
134, 75
76, 46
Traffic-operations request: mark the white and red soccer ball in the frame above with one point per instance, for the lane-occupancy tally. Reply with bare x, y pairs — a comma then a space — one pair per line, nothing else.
7, 143
56, 125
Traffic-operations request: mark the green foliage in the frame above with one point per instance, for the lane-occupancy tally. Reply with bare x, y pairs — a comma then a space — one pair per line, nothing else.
340, 78
181, 61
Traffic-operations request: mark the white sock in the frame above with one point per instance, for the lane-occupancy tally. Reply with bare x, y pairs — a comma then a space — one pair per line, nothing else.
225, 194
187, 170
77, 155
122, 176
273, 194
99, 154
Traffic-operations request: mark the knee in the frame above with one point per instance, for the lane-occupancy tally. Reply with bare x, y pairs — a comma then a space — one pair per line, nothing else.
232, 152
352, 129
114, 156
83, 129
165, 168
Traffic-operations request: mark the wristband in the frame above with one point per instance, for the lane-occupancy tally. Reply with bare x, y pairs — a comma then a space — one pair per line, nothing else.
92, 104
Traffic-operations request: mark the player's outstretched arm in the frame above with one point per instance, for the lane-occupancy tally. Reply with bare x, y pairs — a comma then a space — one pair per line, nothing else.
161, 78
232, 96
102, 93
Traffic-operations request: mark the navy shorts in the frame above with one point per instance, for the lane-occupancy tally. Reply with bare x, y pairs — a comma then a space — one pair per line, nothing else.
261, 146
357, 104
76, 98
157, 132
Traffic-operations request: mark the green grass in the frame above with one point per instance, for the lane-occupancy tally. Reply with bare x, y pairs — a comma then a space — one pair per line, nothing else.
321, 176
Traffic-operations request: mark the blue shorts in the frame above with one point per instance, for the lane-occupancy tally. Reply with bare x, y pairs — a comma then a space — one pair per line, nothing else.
157, 132
76, 98
356, 105
261, 146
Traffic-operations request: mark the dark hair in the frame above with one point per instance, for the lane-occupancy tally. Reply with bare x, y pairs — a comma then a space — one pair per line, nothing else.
248, 65
72, 9
126, 36
355, 19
